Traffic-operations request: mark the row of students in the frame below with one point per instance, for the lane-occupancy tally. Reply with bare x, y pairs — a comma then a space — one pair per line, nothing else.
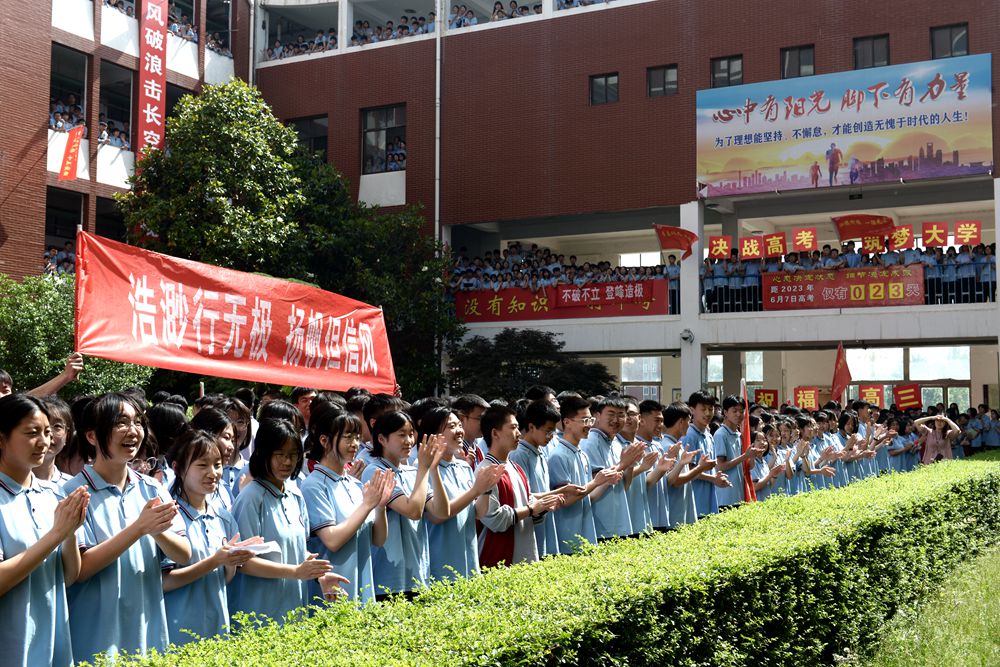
393, 497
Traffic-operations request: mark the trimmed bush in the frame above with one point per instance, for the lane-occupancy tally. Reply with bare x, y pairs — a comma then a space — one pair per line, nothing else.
793, 581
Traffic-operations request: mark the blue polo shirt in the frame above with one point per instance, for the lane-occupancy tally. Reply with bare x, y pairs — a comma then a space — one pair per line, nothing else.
991, 435
758, 472
330, 500
403, 562
454, 547
897, 462
851, 259
637, 495
656, 495
673, 272
536, 468
35, 627
751, 273
681, 505
201, 607
137, 622
705, 496
611, 513
262, 509
568, 464
729, 444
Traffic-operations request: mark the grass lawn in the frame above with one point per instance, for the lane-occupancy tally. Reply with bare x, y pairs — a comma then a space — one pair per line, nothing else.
960, 626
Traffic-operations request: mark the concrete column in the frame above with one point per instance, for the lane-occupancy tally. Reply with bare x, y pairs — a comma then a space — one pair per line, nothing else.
732, 372
692, 355
693, 220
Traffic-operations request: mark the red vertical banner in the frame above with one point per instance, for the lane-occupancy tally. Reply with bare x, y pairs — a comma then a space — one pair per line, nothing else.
67, 172
907, 396
749, 493
774, 245
901, 238
968, 232
804, 240
935, 234
720, 247
841, 374
872, 393
766, 397
152, 74
806, 398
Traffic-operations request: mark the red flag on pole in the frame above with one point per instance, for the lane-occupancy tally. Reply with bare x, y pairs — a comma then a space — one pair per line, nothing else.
675, 238
749, 493
841, 374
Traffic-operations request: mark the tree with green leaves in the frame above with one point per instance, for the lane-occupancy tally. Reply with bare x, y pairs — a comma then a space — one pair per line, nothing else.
235, 189
515, 359
36, 336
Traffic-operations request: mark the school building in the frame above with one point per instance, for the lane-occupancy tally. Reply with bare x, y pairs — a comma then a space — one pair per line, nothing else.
579, 127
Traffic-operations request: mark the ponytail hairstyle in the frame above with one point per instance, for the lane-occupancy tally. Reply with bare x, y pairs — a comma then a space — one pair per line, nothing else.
190, 446
334, 425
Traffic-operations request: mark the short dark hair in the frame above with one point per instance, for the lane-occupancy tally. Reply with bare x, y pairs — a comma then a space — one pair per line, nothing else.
421, 407
299, 392
538, 391
386, 425
102, 414
272, 434
675, 412
282, 409
14, 408
380, 404
650, 406
432, 420
733, 401
859, 405
702, 397
612, 401
540, 413
166, 422
493, 418
570, 405
334, 424
466, 403
5, 378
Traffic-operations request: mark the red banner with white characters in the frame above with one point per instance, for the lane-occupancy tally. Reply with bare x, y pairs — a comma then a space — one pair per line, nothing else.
145, 308
844, 288
607, 294
152, 74
67, 172
857, 225
516, 304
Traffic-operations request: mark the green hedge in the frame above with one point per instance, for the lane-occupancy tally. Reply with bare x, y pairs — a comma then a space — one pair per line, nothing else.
791, 581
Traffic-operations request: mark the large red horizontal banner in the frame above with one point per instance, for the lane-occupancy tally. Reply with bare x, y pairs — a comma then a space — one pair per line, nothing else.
145, 308
552, 303
844, 288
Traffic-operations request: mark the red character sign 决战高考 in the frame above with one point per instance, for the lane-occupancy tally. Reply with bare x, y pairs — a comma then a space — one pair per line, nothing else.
901, 238
720, 247
766, 397
804, 240
145, 308
872, 393
774, 245
750, 247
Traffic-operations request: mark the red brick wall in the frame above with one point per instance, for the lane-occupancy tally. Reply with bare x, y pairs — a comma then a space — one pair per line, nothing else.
520, 137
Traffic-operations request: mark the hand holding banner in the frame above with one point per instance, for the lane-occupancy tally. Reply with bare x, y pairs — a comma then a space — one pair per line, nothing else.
142, 307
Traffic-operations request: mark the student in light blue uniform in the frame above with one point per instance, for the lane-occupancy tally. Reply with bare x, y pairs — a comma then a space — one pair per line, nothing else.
346, 518
751, 284
61, 425
637, 490
673, 273
39, 537
649, 432
453, 542
538, 424
132, 522
402, 564
991, 430
195, 592
698, 437
611, 512
897, 448
274, 584
768, 472
680, 491
376, 406
219, 425
569, 465
840, 457
727, 446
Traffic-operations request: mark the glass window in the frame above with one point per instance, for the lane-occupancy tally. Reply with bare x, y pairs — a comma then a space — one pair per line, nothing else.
630, 259
713, 368
754, 363
796, 62
871, 52
661, 81
950, 41
727, 71
109, 222
116, 105
876, 363
67, 89
961, 396
604, 88
940, 363
931, 396
383, 141
313, 132
63, 212
640, 369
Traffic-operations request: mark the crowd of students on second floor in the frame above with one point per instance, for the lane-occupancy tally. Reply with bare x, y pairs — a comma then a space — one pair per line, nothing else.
963, 274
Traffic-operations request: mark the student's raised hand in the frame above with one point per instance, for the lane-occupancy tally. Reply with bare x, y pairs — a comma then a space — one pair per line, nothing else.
74, 366
431, 450
706, 462
156, 517
71, 512
388, 486
648, 459
686, 456
608, 476
230, 555
571, 492
330, 585
371, 492
631, 454
665, 464
545, 503
356, 468
827, 471
487, 476
722, 480
311, 568
674, 449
